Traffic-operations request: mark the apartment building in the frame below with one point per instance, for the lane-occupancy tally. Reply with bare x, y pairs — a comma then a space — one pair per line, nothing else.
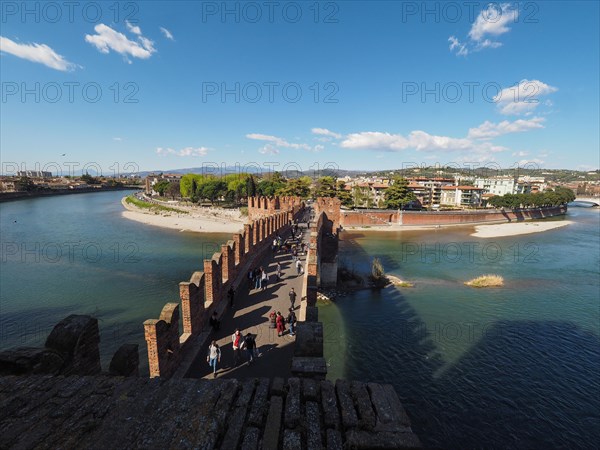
461, 196
429, 190
497, 185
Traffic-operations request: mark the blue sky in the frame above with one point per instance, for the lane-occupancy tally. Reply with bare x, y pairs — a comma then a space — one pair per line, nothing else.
357, 85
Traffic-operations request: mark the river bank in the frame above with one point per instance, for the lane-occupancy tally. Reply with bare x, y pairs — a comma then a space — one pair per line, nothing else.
516, 229
197, 220
480, 230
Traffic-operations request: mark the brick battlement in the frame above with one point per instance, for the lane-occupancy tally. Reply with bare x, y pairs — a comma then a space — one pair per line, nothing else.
206, 290
266, 206
331, 206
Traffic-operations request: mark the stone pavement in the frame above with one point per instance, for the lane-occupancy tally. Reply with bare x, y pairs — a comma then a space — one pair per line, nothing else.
101, 412
250, 313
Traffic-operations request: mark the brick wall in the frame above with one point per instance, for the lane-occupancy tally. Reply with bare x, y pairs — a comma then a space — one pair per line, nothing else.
377, 218
201, 295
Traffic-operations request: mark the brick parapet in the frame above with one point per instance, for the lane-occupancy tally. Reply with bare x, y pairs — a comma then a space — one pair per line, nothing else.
203, 293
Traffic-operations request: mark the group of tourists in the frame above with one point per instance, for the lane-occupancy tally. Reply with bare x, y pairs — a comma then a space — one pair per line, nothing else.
239, 343
258, 278
278, 322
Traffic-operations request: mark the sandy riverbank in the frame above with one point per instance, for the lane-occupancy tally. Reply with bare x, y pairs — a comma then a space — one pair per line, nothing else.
481, 230
209, 220
517, 228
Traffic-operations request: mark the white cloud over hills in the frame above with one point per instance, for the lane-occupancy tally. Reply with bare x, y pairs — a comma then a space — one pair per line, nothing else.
187, 151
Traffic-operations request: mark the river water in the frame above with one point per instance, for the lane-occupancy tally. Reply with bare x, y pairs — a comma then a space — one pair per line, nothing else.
75, 254
515, 367
510, 367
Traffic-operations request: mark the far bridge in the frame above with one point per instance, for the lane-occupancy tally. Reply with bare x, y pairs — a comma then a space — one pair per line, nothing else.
586, 202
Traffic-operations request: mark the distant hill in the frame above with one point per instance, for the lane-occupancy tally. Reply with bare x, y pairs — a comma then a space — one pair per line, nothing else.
254, 170
555, 175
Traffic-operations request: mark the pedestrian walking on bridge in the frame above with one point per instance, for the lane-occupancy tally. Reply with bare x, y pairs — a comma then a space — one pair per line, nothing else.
213, 356
292, 298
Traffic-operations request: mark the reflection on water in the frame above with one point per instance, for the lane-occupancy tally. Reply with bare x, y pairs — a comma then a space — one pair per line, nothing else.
515, 366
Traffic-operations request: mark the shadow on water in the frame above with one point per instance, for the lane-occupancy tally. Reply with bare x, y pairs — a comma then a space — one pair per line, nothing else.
537, 387
519, 384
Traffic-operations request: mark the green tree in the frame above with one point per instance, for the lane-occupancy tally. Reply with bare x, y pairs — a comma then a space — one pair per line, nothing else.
344, 195
358, 196
212, 190
193, 191
251, 186
236, 189
25, 184
173, 189
161, 187
88, 179
566, 195
269, 187
296, 187
325, 187
189, 184
550, 197
398, 194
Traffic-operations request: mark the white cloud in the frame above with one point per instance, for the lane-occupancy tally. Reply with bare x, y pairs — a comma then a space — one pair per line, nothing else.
108, 39
488, 44
522, 98
133, 28
492, 21
475, 149
489, 130
418, 140
520, 154
117, 139
269, 150
455, 43
530, 162
278, 142
187, 151
167, 33
326, 132
275, 144
39, 53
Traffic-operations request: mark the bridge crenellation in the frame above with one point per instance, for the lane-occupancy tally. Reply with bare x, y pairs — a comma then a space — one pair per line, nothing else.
205, 292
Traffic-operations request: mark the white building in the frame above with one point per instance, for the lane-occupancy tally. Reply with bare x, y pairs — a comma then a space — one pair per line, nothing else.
497, 185
462, 196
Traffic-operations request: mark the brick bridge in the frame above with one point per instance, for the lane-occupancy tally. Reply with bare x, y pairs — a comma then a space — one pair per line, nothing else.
78, 405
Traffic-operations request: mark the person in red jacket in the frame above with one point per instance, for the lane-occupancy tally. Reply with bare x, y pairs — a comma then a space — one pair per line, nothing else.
280, 324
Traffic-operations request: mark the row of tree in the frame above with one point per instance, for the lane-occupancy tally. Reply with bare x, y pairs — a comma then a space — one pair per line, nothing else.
558, 196
236, 188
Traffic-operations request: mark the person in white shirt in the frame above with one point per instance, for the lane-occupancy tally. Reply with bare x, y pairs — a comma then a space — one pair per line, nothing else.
213, 356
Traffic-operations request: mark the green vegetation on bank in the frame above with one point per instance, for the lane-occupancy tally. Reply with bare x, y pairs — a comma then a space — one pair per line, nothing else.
398, 194
152, 206
558, 196
234, 189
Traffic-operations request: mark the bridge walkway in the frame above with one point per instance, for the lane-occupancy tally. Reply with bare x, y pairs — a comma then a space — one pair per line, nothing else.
250, 313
